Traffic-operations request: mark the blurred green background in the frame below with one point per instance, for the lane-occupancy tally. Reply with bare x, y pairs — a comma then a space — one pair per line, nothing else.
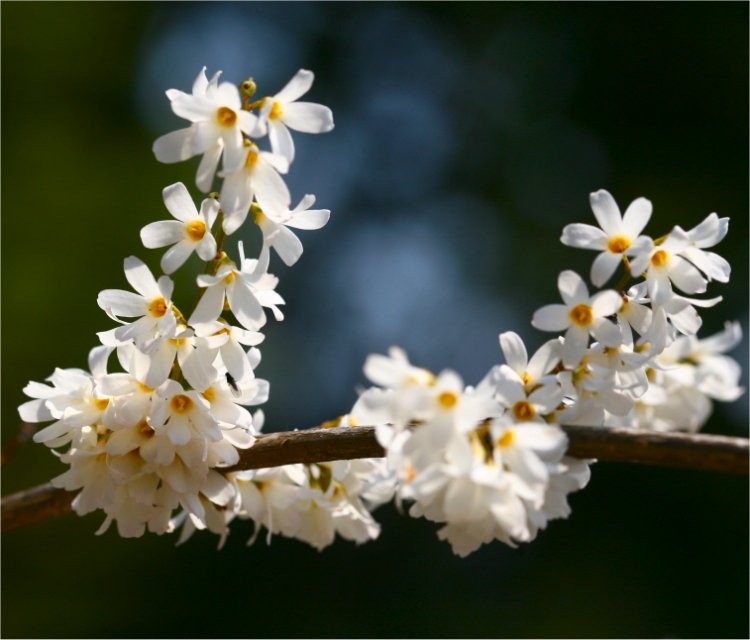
467, 135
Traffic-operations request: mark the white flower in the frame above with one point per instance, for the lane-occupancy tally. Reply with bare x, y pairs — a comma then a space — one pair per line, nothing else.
218, 124
526, 406
256, 177
707, 234
276, 235
183, 415
73, 401
702, 365
581, 315
664, 264
282, 112
191, 231
633, 313
534, 371
151, 305
247, 290
618, 236
227, 341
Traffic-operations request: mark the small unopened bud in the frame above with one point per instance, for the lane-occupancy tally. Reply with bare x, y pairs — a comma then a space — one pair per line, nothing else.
248, 87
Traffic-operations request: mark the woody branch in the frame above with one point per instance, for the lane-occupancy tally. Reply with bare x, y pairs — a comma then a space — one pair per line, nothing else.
689, 451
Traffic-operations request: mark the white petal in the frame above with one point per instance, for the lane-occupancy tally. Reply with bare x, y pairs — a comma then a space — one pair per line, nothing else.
193, 108
298, 86
606, 332
603, 267
576, 341
514, 351
605, 303
687, 277
712, 264
280, 139
140, 278
270, 189
206, 248
162, 233
122, 303
584, 236
245, 306
552, 317
198, 369
545, 359
176, 255
204, 177
606, 211
179, 203
636, 216
210, 306
572, 288
236, 193
287, 245
308, 117
175, 146
310, 219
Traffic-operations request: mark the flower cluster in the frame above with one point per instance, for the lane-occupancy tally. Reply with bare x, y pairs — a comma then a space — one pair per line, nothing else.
489, 462
156, 445
152, 440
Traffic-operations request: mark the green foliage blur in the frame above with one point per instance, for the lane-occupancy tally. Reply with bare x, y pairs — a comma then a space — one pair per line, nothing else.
476, 132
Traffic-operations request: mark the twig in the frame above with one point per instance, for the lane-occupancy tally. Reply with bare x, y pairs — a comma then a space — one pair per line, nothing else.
690, 451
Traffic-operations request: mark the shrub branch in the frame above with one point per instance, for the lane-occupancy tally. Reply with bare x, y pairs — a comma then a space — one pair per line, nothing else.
685, 450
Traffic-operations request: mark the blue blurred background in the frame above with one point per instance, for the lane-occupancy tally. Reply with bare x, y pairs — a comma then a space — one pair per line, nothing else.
467, 135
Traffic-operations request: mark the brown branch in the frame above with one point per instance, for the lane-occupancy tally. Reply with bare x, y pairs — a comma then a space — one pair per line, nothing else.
690, 451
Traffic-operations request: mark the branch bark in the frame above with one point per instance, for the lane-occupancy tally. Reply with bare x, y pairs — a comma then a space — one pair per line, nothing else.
689, 451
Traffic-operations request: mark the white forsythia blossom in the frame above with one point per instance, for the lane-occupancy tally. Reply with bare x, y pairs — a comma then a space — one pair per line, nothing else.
581, 316
462, 455
282, 112
617, 238
191, 231
246, 289
219, 123
259, 178
152, 306
152, 439
275, 227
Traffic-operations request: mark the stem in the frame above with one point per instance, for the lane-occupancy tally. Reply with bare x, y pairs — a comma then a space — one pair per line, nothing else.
684, 450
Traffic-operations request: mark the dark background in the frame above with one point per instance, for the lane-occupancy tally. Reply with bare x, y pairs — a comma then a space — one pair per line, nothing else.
467, 135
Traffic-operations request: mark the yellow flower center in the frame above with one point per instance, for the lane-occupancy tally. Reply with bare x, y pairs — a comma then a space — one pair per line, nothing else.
252, 159
209, 394
230, 277
582, 315
225, 116
101, 403
409, 473
618, 244
660, 258
276, 111
195, 230
181, 403
523, 411
507, 439
447, 399
158, 307
144, 429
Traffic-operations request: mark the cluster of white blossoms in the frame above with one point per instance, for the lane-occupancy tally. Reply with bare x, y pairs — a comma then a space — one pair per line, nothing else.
156, 445
147, 445
489, 462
